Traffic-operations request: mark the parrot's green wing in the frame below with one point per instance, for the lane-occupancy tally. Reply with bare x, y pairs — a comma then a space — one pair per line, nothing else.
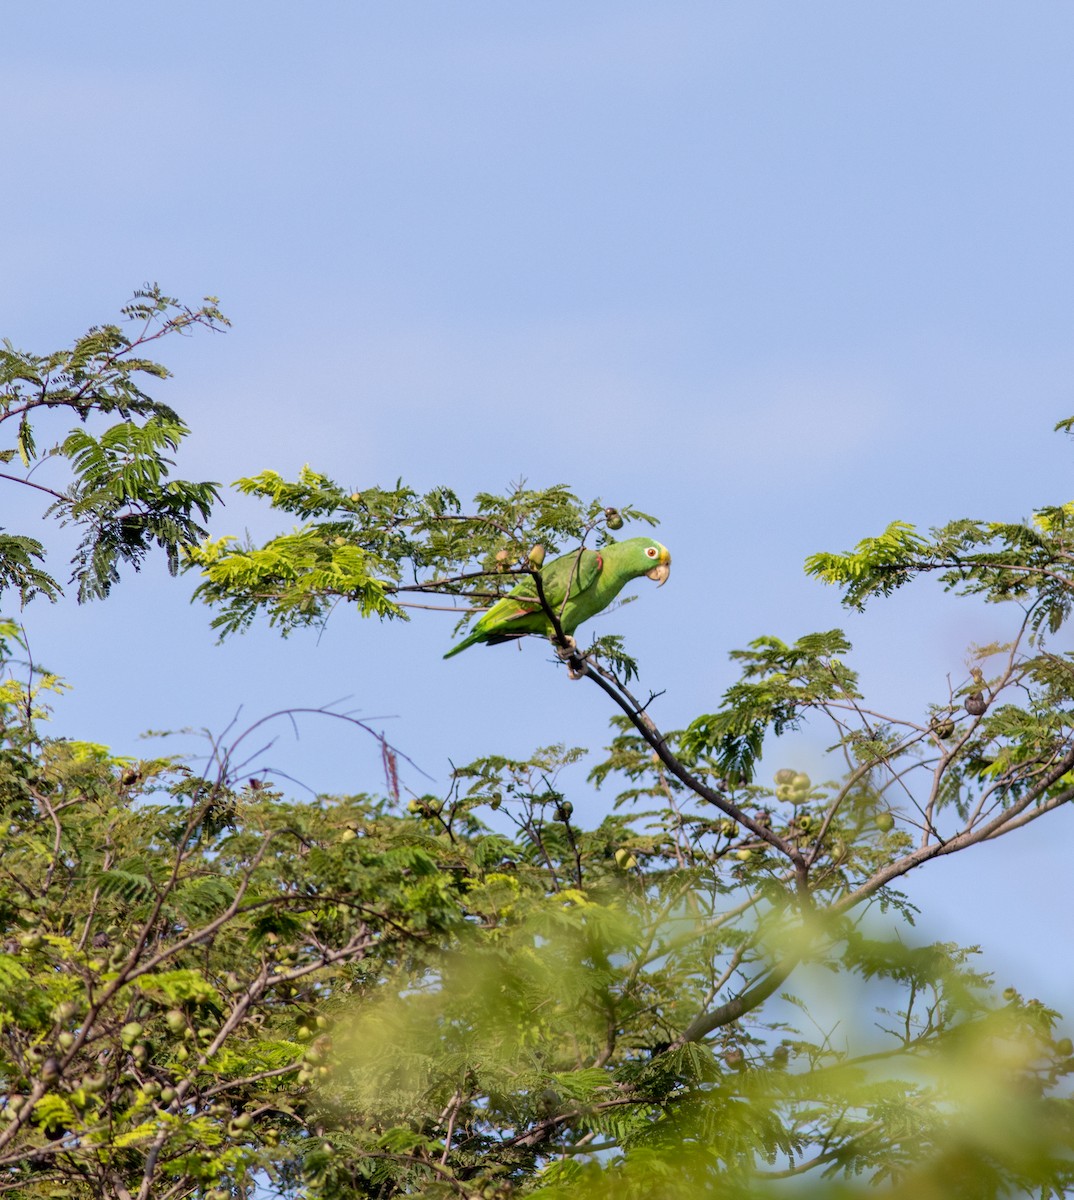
520, 612
561, 580
566, 577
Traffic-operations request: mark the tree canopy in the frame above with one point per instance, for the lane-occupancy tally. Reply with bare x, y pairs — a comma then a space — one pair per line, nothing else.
210, 988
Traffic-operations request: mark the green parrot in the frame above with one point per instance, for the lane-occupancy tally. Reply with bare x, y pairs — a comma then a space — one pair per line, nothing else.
577, 586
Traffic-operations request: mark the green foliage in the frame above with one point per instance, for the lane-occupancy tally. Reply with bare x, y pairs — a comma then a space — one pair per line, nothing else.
1001, 561
780, 684
119, 497
386, 549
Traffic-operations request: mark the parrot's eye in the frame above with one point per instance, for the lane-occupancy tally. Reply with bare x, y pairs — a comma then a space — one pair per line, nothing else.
651, 552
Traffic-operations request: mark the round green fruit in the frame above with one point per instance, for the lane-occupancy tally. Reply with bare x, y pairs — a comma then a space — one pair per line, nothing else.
624, 859
884, 821
744, 855
785, 776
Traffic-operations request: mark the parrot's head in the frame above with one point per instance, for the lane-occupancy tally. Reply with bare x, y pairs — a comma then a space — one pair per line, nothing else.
660, 558
644, 556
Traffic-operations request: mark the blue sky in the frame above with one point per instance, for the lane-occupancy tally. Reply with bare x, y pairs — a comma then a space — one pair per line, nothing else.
778, 273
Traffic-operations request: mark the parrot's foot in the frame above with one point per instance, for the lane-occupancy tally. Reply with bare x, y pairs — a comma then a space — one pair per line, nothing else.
567, 650
568, 653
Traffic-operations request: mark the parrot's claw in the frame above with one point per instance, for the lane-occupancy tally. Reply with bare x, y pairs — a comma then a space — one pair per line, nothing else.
567, 649
568, 653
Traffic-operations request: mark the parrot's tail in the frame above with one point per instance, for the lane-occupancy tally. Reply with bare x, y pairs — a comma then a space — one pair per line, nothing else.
466, 642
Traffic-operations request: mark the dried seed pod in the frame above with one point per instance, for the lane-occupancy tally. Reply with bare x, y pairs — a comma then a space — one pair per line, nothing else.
976, 704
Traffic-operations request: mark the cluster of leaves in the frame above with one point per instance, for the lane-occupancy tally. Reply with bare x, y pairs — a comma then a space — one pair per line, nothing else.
119, 497
385, 550
173, 950
1029, 562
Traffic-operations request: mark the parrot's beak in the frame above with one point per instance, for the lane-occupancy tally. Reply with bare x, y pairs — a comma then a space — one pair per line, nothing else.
662, 570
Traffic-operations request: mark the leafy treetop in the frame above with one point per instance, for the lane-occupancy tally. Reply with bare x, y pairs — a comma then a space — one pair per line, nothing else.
119, 498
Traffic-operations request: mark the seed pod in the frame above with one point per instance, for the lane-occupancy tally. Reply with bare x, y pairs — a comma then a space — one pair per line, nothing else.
785, 775
624, 859
613, 518
942, 727
536, 555
976, 704
884, 821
